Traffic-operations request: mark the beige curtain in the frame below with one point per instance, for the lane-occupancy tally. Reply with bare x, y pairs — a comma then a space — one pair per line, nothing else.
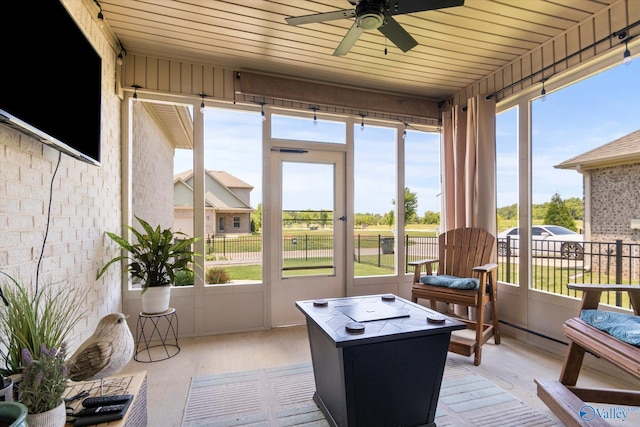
454, 128
469, 165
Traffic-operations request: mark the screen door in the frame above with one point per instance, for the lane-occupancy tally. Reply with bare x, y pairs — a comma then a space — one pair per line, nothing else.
311, 229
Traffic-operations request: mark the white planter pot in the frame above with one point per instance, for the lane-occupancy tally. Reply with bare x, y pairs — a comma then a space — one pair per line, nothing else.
156, 299
53, 418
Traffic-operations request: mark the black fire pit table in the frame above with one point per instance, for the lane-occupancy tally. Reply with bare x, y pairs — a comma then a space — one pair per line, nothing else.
378, 360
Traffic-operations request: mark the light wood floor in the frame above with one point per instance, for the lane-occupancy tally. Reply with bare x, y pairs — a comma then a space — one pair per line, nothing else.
511, 365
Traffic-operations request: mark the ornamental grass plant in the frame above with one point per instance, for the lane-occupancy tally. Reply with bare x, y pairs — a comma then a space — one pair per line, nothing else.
34, 320
217, 275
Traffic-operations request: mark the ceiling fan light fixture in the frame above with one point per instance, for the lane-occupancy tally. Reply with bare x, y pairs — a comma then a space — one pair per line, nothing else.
370, 21
370, 14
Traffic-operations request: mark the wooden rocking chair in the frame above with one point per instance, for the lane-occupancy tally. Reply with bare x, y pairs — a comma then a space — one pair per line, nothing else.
563, 397
466, 276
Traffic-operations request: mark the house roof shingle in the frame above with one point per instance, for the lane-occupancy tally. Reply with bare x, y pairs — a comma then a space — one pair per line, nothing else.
623, 150
229, 180
219, 194
225, 178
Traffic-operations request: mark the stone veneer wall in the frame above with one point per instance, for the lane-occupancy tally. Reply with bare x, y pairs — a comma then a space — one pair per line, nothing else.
615, 202
86, 200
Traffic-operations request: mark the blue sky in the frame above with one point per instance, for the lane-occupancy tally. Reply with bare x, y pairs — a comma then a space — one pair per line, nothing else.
232, 144
567, 123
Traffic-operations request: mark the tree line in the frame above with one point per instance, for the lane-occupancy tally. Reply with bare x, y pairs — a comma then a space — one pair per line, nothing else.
558, 211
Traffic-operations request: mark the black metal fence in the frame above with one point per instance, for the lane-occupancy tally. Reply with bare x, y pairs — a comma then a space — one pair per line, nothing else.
592, 262
554, 264
379, 250
234, 248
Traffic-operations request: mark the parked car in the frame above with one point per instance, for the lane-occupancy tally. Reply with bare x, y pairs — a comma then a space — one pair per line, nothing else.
547, 241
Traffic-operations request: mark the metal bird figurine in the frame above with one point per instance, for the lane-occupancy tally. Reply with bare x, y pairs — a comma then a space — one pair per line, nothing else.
105, 352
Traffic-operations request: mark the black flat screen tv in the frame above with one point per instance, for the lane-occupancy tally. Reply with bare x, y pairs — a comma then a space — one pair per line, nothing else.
50, 78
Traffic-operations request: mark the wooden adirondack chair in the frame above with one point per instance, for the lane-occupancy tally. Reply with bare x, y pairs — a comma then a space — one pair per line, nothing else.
564, 397
465, 254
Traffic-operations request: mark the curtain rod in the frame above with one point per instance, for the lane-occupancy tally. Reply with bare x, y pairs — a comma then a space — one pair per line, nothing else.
621, 34
407, 120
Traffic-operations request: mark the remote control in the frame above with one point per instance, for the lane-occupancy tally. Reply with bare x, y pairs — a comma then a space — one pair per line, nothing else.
92, 402
99, 410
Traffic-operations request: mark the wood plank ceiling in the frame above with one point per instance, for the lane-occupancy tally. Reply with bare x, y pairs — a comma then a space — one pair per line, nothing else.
457, 46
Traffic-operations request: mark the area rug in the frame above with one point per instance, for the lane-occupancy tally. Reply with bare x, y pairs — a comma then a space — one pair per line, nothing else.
284, 397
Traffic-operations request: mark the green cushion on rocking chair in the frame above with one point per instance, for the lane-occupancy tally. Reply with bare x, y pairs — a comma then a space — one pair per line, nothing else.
452, 282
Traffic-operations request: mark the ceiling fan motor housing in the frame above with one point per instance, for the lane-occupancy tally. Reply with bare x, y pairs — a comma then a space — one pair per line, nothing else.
376, 15
370, 14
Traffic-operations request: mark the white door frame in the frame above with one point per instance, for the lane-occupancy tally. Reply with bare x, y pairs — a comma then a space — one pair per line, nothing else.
285, 291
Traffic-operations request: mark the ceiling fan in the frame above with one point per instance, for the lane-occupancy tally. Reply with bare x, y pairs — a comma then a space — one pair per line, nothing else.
376, 14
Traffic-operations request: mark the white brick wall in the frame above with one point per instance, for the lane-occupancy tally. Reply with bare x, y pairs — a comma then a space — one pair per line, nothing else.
86, 201
152, 170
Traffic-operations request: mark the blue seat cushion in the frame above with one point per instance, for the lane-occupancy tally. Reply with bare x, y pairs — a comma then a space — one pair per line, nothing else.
452, 282
624, 327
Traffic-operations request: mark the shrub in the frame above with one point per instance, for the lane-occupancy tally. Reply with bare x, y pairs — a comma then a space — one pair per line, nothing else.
184, 278
214, 257
217, 275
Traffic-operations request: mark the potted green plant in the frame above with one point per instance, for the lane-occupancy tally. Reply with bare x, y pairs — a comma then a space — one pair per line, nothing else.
153, 260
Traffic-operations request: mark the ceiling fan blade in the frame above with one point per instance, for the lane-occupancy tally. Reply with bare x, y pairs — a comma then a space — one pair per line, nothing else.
349, 40
402, 7
321, 17
398, 35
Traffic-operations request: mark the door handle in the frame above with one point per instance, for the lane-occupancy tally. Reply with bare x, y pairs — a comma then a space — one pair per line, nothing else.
343, 218
289, 150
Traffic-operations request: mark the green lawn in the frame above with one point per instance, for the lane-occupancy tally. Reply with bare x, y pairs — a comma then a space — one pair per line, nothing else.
551, 280
254, 271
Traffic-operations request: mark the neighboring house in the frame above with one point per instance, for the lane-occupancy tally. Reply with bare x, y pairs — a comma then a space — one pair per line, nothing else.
611, 179
227, 204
